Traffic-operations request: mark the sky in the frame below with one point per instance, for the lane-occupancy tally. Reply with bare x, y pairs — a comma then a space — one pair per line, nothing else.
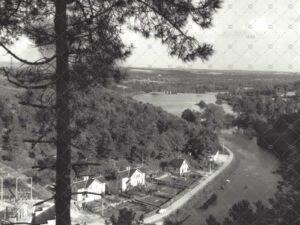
247, 35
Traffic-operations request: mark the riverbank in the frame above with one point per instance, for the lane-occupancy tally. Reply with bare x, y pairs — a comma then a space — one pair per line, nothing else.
251, 176
170, 208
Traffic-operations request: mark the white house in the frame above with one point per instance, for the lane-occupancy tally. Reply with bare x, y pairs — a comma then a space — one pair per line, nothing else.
215, 157
131, 178
179, 166
89, 189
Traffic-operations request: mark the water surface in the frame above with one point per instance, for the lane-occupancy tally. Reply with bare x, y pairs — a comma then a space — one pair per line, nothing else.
177, 103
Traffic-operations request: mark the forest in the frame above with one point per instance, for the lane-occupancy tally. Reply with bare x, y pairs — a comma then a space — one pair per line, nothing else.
112, 127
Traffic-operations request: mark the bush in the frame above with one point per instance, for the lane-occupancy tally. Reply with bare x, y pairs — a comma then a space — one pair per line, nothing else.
7, 158
31, 155
212, 200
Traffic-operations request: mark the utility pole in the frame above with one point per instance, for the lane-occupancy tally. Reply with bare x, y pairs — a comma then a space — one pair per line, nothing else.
2, 183
31, 188
16, 189
102, 205
142, 158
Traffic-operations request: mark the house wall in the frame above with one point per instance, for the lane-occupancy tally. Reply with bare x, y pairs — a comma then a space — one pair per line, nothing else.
184, 168
124, 183
80, 197
216, 156
95, 187
137, 179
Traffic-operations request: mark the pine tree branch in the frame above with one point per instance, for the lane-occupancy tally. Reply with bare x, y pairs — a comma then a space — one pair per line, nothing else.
42, 202
36, 105
20, 85
165, 18
86, 164
74, 165
37, 141
46, 60
85, 193
41, 168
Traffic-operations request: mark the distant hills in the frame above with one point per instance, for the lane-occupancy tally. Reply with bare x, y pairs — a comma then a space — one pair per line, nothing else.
216, 71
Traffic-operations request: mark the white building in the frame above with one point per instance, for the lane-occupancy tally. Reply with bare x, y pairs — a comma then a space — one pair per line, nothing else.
132, 178
215, 157
179, 166
89, 189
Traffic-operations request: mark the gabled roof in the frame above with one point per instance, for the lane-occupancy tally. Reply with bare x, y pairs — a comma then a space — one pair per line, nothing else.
128, 173
90, 181
124, 173
133, 171
79, 185
176, 163
43, 217
86, 183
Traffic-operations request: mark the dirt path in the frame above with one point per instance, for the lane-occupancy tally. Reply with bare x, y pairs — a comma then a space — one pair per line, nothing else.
157, 218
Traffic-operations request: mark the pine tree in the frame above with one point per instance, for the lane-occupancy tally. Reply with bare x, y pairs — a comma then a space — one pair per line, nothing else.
84, 39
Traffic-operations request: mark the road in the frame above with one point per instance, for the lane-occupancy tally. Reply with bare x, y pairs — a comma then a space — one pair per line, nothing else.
158, 218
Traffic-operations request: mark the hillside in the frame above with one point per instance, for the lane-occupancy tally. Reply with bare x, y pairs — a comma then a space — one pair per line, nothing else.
109, 125
283, 141
283, 136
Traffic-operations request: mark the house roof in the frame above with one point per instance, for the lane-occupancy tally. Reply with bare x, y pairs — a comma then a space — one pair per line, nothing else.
90, 181
86, 183
79, 185
128, 173
43, 217
176, 163
133, 171
124, 173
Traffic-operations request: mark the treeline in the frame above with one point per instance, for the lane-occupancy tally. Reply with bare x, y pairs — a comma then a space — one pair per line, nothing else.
256, 106
197, 81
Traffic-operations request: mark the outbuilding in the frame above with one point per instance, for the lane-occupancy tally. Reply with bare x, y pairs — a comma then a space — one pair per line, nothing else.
179, 166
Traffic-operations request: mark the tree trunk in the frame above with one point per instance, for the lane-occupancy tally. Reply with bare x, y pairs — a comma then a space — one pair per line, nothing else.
63, 160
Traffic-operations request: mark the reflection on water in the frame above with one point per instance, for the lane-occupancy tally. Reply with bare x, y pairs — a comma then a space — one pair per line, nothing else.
253, 178
176, 103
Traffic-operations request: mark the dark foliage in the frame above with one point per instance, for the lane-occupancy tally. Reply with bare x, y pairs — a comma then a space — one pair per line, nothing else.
125, 217
189, 116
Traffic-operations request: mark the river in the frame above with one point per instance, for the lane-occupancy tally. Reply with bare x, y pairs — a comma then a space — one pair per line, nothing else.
253, 177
